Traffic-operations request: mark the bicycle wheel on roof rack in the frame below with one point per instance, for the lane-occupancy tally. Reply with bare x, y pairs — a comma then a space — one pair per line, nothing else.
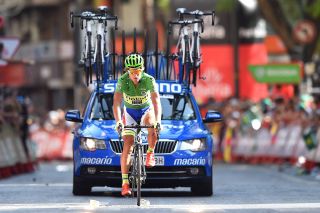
113, 34
123, 46
156, 54
99, 65
88, 61
167, 56
195, 56
187, 62
145, 52
134, 40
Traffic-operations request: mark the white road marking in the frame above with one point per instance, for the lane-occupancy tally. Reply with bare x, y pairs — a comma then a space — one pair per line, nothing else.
35, 184
190, 208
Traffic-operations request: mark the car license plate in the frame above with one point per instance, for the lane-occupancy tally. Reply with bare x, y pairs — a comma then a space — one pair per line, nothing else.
159, 160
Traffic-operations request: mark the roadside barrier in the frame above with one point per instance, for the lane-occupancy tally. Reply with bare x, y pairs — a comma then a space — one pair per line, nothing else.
13, 158
263, 146
52, 145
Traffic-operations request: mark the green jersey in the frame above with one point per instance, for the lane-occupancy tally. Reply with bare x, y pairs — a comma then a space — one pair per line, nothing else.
136, 97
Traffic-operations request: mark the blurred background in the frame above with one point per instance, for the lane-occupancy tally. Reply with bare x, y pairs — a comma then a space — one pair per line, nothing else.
261, 67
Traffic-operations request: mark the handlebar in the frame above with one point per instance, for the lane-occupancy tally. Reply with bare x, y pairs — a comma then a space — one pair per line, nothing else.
196, 13
87, 15
139, 126
185, 23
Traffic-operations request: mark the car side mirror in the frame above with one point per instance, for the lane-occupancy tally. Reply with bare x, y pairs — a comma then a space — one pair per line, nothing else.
74, 116
213, 116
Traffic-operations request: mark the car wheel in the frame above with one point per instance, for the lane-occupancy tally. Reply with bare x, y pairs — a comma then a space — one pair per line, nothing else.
205, 189
80, 188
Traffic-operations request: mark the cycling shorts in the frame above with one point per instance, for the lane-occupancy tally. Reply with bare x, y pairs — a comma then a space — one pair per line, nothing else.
134, 117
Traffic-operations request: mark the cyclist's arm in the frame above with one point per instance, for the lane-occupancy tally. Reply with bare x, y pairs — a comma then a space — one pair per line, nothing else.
155, 98
117, 99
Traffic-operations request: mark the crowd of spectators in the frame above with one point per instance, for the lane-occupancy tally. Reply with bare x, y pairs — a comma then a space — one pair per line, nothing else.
247, 117
14, 110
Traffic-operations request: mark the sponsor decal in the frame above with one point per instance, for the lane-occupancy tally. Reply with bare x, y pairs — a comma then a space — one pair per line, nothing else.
136, 100
162, 87
189, 161
101, 161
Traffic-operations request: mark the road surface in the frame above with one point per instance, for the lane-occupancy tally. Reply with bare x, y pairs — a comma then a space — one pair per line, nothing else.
237, 188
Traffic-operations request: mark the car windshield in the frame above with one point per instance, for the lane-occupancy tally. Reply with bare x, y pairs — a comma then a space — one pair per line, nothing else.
102, 107
174, 107
177, 107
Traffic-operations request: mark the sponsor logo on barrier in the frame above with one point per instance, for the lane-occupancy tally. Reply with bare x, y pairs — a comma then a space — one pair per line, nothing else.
91, 161
174, 88
191, 161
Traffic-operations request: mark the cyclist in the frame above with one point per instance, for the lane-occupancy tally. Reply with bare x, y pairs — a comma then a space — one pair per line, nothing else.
141, 103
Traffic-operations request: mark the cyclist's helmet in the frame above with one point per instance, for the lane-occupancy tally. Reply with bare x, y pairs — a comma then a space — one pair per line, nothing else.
134, 61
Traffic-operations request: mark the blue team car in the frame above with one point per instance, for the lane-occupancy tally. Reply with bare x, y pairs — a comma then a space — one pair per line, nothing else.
184, 152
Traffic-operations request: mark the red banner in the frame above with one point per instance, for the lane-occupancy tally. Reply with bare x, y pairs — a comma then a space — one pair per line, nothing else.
217, 68
251, 54
12, 74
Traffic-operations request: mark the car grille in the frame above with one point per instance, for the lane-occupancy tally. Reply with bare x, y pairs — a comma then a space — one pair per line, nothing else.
162, 146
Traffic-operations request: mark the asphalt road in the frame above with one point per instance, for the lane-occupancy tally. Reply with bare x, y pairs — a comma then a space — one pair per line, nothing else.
237, 188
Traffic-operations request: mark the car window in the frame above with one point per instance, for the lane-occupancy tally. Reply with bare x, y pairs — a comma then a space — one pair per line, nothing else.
177, 107
174, 107
102, 107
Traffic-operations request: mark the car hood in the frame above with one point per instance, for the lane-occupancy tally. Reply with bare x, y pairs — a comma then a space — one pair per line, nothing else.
171, 130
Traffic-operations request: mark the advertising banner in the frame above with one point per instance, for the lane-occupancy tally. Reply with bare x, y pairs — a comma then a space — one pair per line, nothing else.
217, 71
251, 54
276, 73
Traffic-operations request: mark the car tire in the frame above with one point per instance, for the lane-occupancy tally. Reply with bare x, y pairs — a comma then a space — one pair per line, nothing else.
80, 188
205, 189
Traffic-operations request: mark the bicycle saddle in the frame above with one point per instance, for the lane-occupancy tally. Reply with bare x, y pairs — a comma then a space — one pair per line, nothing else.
181, 10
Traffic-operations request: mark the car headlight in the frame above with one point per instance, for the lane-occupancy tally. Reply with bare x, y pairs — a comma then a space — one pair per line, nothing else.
92, 144
194, 145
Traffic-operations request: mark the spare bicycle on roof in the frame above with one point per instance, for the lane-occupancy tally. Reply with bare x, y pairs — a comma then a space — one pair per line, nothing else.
188, 50
95, 51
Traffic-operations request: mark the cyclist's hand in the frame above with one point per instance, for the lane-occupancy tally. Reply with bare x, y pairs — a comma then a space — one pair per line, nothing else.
157, 126
119, 127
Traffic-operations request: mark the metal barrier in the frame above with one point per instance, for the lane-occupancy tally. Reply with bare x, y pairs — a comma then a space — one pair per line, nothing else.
13, 158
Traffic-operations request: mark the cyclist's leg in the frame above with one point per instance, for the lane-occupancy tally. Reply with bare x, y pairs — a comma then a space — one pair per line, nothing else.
149, 119
128, 138
125, 155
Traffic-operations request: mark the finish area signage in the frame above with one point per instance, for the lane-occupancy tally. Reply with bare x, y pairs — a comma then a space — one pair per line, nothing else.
276, 73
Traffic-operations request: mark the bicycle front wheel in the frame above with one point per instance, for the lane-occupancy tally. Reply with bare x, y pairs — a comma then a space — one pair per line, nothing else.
139, 174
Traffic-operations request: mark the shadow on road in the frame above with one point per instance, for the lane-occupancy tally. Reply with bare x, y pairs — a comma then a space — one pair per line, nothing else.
145, 193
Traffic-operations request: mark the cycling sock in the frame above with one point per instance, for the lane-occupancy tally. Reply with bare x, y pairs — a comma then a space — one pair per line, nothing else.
125, 179
150, 150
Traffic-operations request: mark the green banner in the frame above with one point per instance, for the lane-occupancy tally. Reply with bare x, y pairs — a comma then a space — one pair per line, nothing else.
276, 73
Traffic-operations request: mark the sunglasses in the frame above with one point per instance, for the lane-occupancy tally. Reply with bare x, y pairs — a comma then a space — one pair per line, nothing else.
135, 71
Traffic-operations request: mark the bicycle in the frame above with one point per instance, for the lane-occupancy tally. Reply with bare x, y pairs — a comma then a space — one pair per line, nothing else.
99, 49
183, 47
138, 173
195, 41
194, 57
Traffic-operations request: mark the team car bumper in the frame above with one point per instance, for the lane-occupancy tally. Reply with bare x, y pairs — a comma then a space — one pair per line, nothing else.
157, 177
